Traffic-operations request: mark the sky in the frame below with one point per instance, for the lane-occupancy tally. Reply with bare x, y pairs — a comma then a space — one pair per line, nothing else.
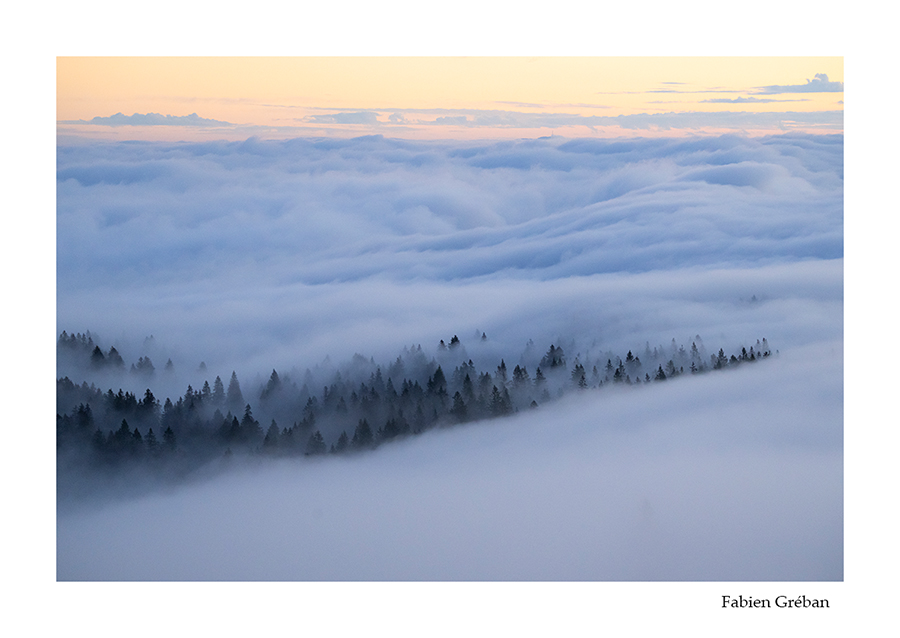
78, 31
445, 97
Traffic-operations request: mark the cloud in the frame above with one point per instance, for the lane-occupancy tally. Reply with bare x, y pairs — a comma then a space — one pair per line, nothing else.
819, 84
697, 120
745, 100
726, 120
457, 120
177, 238
258, 254
507, 119
150, 119
354, 117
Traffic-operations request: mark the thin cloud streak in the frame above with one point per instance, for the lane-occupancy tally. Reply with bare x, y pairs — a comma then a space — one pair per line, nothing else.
150, 119
396, 120
819, 84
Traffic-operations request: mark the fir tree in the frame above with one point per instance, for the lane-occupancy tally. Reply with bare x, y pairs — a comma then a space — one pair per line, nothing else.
234, 399
316, 444
362, 436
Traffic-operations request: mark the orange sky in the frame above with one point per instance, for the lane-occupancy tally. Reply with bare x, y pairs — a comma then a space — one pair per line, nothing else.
476, 97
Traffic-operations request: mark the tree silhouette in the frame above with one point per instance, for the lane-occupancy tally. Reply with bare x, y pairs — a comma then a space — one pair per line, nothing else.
234, 399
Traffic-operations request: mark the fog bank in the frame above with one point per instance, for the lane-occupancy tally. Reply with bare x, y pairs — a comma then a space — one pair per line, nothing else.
733, 476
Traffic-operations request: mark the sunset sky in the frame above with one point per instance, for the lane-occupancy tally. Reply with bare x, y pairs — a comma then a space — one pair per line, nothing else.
195, 98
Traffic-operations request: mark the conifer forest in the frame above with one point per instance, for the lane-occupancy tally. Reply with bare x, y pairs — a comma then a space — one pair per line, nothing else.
355, 407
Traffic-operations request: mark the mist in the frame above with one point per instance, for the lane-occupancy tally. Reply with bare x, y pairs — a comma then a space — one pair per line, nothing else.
274, 254
735, 476
298, 255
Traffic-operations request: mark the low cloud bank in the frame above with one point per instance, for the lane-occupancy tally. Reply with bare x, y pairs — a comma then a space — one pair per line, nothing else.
276, 253
150, 119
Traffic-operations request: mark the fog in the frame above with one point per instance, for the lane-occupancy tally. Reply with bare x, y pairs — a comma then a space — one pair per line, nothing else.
259, 255
275, 254
730, 476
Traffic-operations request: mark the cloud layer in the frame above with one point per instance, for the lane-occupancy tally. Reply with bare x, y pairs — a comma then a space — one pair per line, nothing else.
333, 247
150, 119
819, 84
256, 255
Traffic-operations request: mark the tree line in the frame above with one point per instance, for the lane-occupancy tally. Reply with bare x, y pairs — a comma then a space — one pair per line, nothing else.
360, 406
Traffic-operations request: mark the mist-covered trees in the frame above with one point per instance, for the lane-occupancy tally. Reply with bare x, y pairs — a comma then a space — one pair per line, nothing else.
345, 409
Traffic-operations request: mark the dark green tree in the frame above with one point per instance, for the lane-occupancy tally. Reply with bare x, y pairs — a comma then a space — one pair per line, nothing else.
151, 442
272, 436
234, 399
97, 358
169, 439
362, 436
114, 359
343, 442
316, 444
218, 393
459, 411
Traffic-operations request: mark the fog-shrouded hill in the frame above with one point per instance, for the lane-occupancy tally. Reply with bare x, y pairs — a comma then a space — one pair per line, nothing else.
727, 476
136, 439
302, 269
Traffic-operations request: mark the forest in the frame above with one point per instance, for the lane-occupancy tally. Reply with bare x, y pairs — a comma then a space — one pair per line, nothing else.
343, 409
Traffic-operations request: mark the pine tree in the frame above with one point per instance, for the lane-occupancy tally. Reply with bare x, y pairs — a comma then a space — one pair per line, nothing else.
459, 411
234, 399
362, 436
114, 359
500, 377
343, 442
500, 403
169, 439
250, 428
316, 444
218, 394
578, 375
97, 358
272, 436
272, 387
151, 442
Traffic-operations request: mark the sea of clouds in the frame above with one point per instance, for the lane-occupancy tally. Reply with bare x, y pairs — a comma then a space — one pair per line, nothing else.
258, 255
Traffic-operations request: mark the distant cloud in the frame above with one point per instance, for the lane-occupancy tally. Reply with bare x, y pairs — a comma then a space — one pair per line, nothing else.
725, 119
150, 119
526, 105
747, 100
473, 118
819, 84
352, 117
457, 120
